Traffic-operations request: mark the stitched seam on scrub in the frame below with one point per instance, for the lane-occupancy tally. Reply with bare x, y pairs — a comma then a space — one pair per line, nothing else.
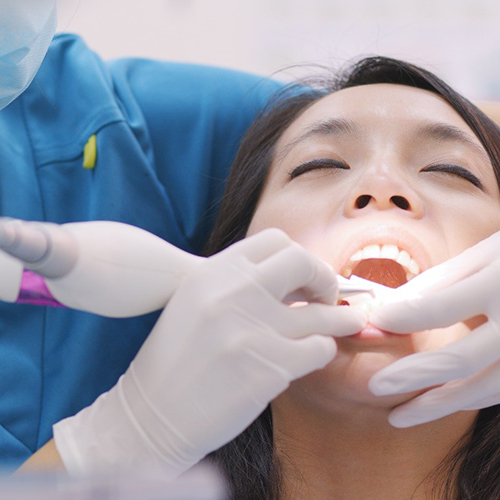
44, 325
78, 151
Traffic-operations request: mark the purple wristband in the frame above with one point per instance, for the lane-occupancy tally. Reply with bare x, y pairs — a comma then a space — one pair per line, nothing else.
34, 291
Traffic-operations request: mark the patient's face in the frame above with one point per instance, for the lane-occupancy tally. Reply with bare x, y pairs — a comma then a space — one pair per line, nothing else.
392, 170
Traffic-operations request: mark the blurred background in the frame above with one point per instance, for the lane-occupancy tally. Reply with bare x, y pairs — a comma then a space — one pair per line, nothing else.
457, 39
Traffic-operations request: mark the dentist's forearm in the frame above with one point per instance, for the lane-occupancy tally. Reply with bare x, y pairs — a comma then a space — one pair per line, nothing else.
46, 459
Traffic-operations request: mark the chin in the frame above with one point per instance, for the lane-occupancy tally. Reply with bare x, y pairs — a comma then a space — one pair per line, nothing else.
342, 386
351, 370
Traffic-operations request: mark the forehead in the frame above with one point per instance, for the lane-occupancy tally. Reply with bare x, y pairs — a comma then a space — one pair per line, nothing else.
379, 107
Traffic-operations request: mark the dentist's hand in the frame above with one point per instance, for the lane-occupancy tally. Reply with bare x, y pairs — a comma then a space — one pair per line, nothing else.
222, 349
461, 288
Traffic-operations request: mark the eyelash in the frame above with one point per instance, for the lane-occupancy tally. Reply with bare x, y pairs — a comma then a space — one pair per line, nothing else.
456, 170
316, 164
329, 163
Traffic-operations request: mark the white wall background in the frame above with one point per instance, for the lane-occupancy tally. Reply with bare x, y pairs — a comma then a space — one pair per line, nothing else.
457, 39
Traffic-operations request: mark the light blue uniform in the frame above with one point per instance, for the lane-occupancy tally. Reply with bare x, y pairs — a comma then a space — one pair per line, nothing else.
166, 136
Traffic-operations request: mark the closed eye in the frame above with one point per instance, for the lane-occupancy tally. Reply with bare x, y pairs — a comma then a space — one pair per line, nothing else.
331, 163
315, 165
455, 170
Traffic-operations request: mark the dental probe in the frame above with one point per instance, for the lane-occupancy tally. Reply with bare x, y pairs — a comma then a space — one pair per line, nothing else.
348, 288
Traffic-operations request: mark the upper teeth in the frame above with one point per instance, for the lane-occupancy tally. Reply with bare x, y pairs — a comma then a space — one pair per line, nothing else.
383, 252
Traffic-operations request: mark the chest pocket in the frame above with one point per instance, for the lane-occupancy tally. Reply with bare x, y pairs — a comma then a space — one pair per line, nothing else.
111, 179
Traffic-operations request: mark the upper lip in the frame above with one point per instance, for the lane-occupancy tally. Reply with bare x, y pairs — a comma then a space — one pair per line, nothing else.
385, 235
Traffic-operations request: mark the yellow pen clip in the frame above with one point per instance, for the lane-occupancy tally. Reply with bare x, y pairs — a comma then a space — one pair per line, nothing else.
90, 153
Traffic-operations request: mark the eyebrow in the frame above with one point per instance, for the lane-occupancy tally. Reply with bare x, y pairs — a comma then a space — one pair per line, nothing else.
444, 132
437, 131
330, 127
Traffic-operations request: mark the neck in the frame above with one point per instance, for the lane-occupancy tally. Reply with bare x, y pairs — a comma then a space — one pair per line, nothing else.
358, 454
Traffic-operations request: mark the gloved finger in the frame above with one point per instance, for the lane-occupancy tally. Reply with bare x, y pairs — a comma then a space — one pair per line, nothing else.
316, 352
442, 275
481, 390
468, 262
282, 362
293, 268
492, 400
431, 405
456, 360
296, 356
458, 302
322, 319
457, 395
261, 245
301, 356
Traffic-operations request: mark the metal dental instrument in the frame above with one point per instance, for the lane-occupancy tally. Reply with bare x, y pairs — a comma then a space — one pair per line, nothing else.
348, 288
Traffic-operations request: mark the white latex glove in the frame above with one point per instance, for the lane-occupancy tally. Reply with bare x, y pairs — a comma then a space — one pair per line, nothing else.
222, 349
462, 287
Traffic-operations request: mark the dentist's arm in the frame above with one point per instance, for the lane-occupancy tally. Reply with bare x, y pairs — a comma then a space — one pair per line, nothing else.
47, 458
222, 349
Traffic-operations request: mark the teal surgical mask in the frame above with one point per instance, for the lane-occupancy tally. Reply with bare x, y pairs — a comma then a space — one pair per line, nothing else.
26, 30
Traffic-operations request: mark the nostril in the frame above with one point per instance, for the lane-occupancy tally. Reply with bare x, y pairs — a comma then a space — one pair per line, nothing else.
400, 202
362, 201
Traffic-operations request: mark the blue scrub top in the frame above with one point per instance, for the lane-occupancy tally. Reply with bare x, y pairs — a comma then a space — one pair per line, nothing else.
166, 136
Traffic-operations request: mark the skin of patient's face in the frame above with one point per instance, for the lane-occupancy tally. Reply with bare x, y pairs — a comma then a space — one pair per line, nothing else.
386, 157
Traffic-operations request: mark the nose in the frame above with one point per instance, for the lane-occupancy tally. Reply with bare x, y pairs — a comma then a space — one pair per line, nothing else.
383, 189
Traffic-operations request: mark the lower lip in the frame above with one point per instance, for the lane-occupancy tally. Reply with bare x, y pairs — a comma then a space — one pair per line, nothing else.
371, 332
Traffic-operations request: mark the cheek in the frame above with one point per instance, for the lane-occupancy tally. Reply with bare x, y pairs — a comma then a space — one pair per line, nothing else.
302, 219
430, 340
468, 220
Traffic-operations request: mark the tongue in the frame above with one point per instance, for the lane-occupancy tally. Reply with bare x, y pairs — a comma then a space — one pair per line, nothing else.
383, 271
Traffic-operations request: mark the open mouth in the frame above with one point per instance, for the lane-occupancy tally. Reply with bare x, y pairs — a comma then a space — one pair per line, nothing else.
385, 264
383, 271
